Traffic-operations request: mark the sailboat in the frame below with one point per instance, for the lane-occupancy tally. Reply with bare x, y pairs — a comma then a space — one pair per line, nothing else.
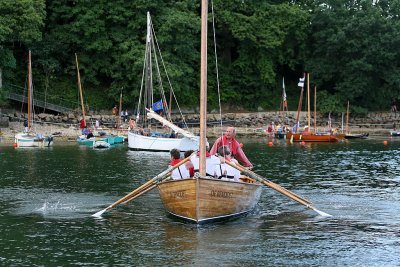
349, 135
29, 138
83, 138
142, 138
307, 136
203, 199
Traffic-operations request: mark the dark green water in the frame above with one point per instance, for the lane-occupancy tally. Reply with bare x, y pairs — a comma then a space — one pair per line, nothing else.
47, 197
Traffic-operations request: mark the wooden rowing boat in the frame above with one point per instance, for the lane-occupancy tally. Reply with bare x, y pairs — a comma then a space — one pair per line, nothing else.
205, 200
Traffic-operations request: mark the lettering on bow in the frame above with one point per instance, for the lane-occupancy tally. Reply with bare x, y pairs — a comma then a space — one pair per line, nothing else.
221, 194
178, 194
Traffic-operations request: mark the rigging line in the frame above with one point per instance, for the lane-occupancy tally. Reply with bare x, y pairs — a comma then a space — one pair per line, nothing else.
216, 67
162, 91
169, 81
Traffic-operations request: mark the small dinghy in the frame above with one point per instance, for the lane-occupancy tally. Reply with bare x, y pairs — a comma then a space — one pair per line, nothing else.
101, 144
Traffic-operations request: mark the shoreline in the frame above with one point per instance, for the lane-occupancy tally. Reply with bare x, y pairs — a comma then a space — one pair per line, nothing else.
69, 132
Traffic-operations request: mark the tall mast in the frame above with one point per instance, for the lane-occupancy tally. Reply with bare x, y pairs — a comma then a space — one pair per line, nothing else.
120, 109
148, 96
308, 101
80, 88
29, 89
315, 109
347, 118
203, 88
299, 107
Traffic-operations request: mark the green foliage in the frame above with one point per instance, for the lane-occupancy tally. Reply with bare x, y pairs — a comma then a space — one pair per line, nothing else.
353, 51
329, 103
349, 47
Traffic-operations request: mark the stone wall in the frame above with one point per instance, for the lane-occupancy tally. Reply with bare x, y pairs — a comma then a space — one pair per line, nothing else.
384, 120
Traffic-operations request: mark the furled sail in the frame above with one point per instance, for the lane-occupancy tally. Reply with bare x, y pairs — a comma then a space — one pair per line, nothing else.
151, 114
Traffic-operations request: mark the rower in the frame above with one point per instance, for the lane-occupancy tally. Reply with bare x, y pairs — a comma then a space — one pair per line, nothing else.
211, 162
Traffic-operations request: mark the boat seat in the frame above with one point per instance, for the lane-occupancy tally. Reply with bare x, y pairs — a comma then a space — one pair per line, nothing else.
246, 179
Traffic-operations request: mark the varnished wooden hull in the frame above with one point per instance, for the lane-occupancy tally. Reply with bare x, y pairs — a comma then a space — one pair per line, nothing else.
311, 138
205, 200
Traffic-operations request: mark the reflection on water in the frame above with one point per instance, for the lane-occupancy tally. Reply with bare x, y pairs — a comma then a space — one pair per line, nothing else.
47, 197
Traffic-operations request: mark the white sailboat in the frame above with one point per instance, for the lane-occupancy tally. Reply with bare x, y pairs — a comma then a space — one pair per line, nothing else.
143, 139
29, 138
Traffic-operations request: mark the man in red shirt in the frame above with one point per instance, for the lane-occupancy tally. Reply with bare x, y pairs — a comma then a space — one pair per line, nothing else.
228, 139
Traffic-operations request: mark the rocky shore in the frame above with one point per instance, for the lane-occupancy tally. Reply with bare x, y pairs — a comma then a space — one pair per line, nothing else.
66, 126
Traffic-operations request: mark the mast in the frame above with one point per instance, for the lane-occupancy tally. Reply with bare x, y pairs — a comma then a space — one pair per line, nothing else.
80, 88
29, 90
308, 100
149, 68
120, 109
347, 118
203, 87
300, 102
315, 109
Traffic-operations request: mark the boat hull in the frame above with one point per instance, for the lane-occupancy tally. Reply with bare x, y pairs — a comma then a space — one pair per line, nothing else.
356, 136
141, 142
31, 140
101, 144
395, 133
311, 138
205, 200
82, 140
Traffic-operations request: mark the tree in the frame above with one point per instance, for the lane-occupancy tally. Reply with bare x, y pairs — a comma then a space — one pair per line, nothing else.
20, 23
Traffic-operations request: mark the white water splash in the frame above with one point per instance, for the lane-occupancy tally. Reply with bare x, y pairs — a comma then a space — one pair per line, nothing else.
57, 207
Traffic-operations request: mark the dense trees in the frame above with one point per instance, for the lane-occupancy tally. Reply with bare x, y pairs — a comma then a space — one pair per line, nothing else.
349, 47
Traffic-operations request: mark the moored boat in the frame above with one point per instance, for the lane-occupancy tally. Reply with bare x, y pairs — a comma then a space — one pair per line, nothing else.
29, 138
101, 144
356, 136
298, 137
147, 109
32, 140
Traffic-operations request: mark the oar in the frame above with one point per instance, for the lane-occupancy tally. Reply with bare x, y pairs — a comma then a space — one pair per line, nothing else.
141, 193
143, 187
278, 188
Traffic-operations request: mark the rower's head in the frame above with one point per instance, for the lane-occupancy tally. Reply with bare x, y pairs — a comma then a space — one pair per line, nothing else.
224, 151
230, 132
175, 153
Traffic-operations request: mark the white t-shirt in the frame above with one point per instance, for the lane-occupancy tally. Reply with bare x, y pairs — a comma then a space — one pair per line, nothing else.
211, 162
180, 173
226, 172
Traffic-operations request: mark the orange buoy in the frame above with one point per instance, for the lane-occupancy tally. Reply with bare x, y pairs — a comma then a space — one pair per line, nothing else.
303, 143
241, 144
15, 145
385, 142
270, 143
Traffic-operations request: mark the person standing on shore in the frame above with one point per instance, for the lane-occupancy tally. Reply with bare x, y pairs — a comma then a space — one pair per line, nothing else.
229, 140
82, 125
